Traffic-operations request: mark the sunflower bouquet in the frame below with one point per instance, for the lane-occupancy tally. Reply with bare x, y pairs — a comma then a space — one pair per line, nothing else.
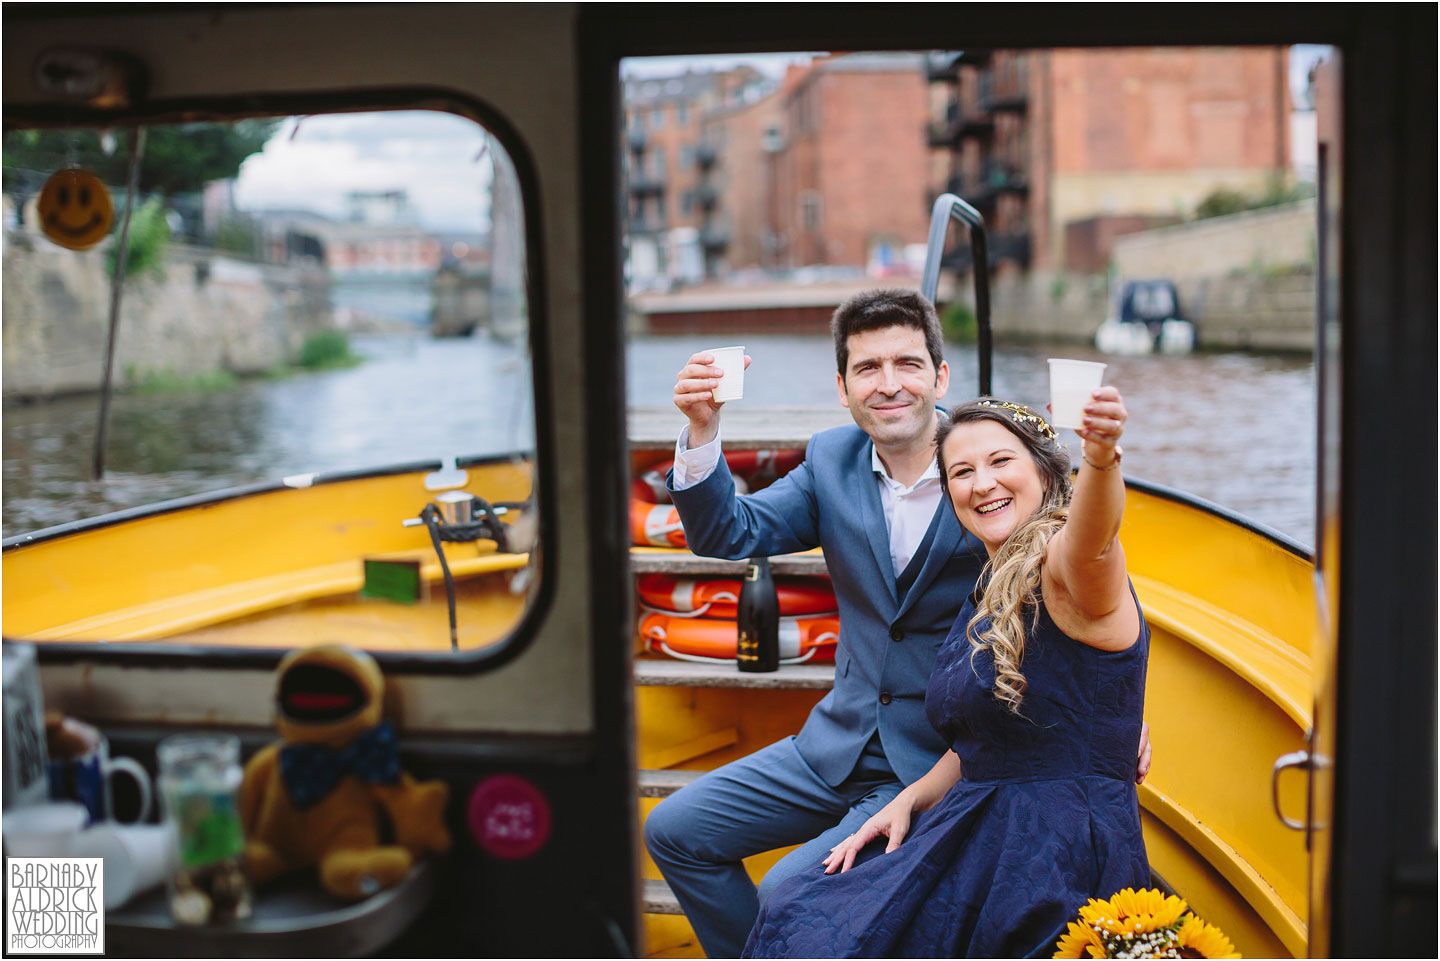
1141, 924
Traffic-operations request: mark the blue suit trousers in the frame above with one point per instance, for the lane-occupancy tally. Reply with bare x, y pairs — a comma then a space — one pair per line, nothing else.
767, 800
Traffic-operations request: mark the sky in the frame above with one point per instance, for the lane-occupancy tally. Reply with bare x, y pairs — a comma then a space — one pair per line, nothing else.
770, 64
440, 160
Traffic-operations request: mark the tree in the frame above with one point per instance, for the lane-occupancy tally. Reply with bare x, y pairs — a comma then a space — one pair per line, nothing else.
1278, 190
177, 159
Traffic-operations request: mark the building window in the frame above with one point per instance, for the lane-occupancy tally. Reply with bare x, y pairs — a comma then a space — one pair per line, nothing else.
657, 118
682, 114
658, 164
687, 157
810, 210
687, 202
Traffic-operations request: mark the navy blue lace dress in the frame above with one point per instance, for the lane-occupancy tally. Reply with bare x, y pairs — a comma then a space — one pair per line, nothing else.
1044, 817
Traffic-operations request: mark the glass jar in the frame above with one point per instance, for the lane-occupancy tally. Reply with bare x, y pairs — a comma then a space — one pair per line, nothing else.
199, 785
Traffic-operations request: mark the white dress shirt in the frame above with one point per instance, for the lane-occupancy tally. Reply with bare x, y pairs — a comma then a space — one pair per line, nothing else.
908, 510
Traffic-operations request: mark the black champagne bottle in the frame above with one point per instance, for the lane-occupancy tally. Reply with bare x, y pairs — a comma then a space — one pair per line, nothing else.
757, 622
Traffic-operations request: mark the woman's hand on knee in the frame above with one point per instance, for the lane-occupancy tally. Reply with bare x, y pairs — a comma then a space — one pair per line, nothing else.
891, 821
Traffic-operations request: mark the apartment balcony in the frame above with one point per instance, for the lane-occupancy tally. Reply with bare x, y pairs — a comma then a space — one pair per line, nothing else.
643, 184
705, 156
1008, 97
1000, 248
636, 140
707, 195
714, 238
1006, 88
1015, 248
946, 132
975, 123
995, 178
1002, 177
637, 226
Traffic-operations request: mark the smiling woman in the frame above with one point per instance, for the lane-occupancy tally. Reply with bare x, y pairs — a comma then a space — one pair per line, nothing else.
993, 483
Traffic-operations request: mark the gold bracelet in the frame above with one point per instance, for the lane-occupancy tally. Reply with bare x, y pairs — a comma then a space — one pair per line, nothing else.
1113, 464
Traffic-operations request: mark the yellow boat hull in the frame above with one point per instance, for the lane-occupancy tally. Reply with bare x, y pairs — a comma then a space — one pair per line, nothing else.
274, 567
1230, 608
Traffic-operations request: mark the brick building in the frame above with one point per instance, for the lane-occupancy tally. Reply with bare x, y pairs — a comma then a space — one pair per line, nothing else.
850, 185
822, 169
1064, 150
742, 140
664, 161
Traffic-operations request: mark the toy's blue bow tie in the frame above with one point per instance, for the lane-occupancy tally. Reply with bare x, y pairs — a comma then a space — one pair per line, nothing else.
310, 771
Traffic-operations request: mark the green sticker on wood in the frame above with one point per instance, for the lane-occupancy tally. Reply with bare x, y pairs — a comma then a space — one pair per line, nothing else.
392, 581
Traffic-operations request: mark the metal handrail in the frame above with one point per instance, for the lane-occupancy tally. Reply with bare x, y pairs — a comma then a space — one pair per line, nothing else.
949, 206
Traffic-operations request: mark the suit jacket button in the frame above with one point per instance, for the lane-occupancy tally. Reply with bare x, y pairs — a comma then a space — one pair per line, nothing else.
884, 697
896, 634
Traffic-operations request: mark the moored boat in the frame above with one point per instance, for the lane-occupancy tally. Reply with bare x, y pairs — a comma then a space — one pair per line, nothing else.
1230, 606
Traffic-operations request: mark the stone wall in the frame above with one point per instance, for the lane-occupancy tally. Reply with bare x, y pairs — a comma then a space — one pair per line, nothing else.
1046, 305
1272, 309
1273, 238
1269, 310
200, 312
1247, 280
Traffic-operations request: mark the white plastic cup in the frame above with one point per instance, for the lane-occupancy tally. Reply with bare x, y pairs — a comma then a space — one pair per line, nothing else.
731, 360
1071, 382
137, 857
43, 830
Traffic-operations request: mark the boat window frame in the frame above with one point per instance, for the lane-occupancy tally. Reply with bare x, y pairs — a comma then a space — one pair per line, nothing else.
541, 596
1387, 264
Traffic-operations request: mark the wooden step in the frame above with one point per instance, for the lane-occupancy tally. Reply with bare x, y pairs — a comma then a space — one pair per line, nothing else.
665, 783
672, 673
659, 899
665, 560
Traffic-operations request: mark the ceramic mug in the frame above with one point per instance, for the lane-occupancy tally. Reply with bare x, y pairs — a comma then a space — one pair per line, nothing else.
86, 779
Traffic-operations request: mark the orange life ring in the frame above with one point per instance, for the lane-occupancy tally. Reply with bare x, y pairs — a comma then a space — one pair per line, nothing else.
708, 640
799, 596
654, 523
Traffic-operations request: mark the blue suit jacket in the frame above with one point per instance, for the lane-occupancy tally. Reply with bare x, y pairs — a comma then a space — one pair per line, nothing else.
888, 642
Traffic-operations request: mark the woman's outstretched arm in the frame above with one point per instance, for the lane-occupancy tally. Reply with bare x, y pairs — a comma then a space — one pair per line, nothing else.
1086, 586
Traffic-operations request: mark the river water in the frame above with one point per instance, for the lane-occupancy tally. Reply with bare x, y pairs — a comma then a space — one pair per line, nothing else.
1234, 428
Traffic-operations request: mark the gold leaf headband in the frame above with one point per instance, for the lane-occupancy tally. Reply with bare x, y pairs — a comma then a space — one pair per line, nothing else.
1024, 415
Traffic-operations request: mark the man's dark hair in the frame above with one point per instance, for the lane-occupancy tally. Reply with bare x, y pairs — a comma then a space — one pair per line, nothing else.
886, 307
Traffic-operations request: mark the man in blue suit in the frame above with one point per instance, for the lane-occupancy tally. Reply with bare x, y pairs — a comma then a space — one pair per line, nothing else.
871, 497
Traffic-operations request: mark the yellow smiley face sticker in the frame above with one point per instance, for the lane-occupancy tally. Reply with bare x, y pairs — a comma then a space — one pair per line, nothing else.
75, 209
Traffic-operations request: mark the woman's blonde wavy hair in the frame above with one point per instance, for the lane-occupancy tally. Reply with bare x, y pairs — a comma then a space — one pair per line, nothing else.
1011, 577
